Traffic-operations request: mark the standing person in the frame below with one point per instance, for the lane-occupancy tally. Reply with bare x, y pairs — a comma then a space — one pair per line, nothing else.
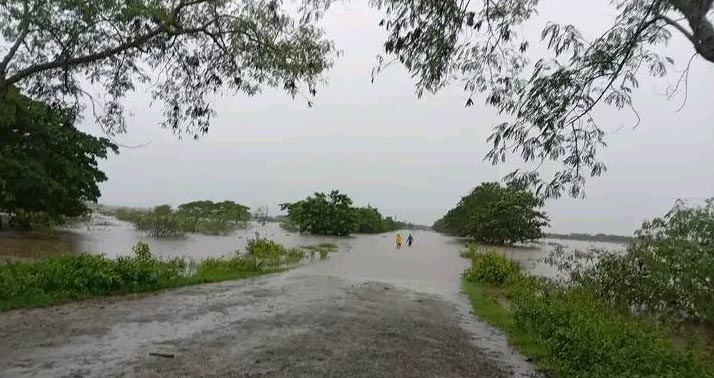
399, 240
410, 240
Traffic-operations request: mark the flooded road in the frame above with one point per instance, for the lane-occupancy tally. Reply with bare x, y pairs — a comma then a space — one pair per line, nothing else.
111, 237
367, 311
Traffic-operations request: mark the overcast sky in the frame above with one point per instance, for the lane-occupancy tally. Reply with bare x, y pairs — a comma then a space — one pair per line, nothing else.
412, 158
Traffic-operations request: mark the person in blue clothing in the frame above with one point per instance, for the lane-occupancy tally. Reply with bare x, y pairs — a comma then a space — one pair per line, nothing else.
410, 240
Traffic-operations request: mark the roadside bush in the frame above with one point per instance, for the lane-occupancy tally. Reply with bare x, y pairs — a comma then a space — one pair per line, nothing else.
84, 275
70, 277
587, 338
212, 267
667, 271
571, 330
489, 267
264, 252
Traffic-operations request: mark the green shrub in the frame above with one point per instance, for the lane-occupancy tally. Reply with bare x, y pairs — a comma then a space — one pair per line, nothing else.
586, 338
572, 330
667, 271
489, 267
70, 277
264, 252
84, 275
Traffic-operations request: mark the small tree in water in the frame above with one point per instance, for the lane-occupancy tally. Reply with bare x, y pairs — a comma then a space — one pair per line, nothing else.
322, 214
495, 214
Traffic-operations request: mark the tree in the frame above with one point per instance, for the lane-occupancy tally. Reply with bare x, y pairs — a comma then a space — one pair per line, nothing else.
495, 214
368, 220
322, 214
213, 218
189, 49
550, 104
48, 168
161, 222
192, 213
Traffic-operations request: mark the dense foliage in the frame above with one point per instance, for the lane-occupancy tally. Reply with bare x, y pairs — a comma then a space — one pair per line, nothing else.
200, 47
572, 332
551, 108
187, 49
495, 214
368, 220
214, 218
322, 214
79, 276
667, 271
205, 217
489, 267
48, 168
333, 214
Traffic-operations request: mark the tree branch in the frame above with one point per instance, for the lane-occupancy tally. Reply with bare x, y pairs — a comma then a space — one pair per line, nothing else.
24, 28
679, 27
172, 29
22, 74
702, 29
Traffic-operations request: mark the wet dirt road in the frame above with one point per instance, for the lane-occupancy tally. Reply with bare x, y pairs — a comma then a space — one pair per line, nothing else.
368, 311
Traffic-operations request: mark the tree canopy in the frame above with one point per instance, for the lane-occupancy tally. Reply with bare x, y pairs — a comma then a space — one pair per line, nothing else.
368, 220
203, 217
47, 166
548, 106
190, 49
333, 214
187, 50
495, 214
322, 214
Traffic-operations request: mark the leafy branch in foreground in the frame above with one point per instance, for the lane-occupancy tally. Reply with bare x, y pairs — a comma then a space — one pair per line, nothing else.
550, 104
186, 50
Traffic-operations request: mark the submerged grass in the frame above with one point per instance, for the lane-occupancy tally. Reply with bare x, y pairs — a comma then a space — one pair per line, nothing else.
74, 277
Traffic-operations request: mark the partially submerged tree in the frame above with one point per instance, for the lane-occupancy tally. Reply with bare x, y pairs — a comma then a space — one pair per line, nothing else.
48, 168
187, 49
548, 106
368, 220
322, 214
495, 214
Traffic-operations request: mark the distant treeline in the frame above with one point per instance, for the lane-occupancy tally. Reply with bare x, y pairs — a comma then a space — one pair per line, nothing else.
590, 237
203, 217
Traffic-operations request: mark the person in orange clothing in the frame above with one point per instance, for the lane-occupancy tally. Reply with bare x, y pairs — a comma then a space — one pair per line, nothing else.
399, 240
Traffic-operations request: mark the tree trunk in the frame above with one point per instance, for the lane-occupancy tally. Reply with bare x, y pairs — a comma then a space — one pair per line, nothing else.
702, 35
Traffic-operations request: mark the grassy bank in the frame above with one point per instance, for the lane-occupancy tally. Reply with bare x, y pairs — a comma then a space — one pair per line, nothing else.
570, 332
69, 278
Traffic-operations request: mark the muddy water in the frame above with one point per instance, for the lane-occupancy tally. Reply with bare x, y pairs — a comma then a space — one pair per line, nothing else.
111, 237
369, 311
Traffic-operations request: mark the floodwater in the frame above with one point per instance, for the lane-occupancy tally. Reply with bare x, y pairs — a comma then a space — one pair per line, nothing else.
370, 310
111, 237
